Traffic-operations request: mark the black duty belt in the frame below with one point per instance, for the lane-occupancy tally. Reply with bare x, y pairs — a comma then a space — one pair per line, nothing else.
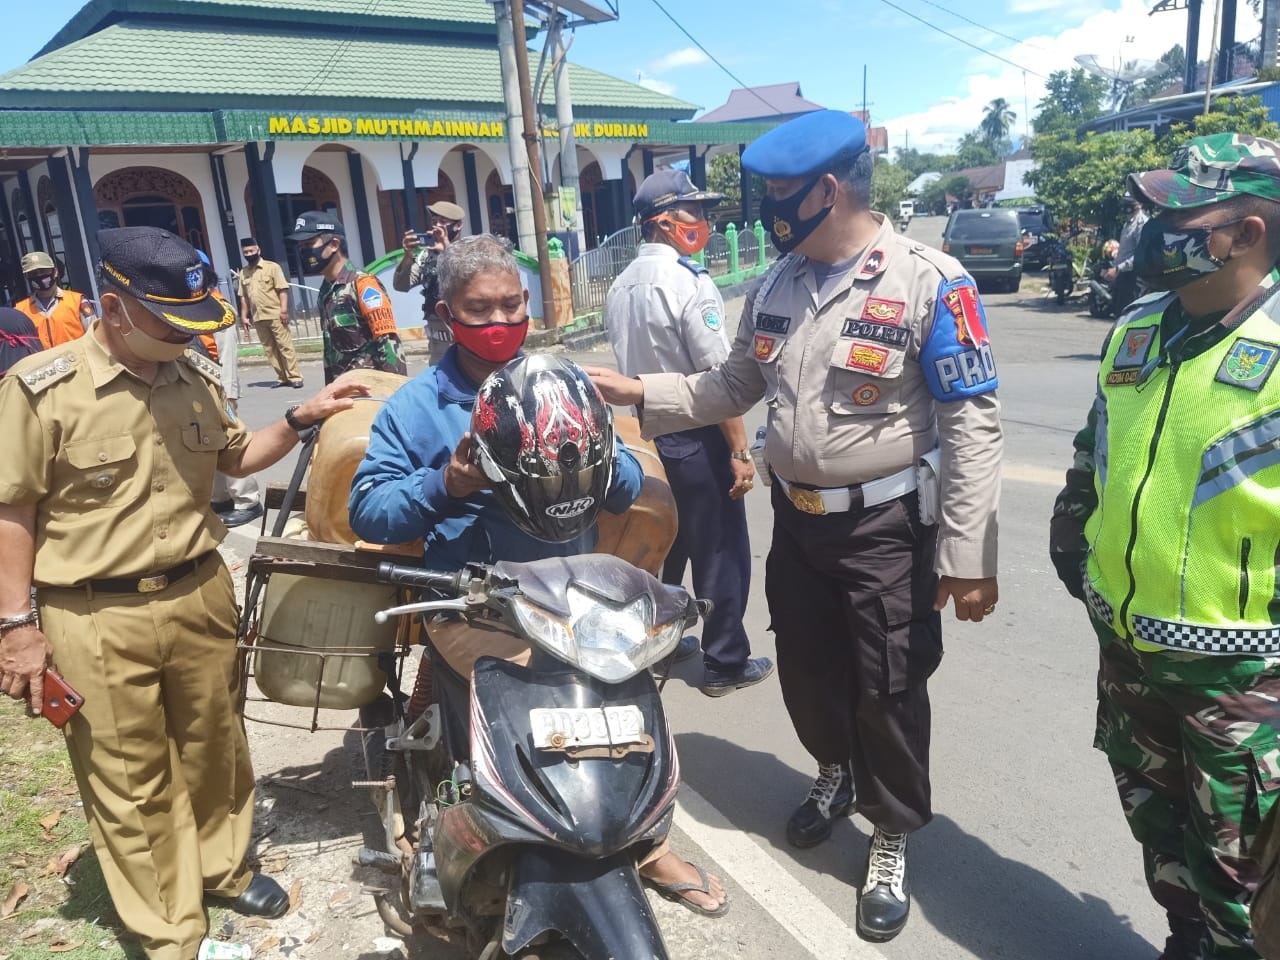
149, 584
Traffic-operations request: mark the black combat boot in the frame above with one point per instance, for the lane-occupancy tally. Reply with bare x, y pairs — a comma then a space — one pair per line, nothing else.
885, 903
1186, 938
831, 796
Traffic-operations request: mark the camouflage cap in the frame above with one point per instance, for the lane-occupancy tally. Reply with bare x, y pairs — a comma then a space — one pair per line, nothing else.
1212, 169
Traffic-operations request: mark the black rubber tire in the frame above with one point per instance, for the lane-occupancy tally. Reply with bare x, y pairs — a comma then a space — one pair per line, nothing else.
379, 764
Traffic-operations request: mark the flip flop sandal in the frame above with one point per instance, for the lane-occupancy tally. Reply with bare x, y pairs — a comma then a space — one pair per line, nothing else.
675, 892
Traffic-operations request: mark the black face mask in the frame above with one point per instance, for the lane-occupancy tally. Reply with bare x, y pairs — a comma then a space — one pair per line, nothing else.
42, 284
454, 231
252, 261
782, 218
313, 262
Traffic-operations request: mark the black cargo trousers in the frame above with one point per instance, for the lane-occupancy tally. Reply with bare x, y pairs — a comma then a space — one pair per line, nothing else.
851, 603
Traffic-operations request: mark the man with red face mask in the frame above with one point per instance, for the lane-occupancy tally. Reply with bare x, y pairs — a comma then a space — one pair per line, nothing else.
664, 315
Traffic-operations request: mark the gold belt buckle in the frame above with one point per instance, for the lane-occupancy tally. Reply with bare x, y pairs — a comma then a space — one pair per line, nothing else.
153, 584
807, 501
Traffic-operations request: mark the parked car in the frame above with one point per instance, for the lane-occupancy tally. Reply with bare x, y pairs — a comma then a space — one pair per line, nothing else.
1035, 222
988, 243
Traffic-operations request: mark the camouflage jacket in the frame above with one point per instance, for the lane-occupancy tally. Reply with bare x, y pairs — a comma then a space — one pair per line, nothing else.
359, 326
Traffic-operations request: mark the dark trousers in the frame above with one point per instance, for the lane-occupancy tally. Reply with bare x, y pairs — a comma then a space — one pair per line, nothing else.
712, 537
851, 602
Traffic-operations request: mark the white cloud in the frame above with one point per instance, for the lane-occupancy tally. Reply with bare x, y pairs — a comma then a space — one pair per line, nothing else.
661, 86
940, 126
1039, 6
685, 57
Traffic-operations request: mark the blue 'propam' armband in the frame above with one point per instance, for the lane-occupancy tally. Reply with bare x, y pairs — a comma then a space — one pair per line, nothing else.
957, 359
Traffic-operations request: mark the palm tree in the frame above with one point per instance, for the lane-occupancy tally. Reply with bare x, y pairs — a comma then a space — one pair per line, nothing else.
997, 120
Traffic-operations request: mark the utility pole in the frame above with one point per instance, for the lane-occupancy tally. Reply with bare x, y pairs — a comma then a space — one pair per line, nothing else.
564, 119
1213, 50
525, 232
530, 134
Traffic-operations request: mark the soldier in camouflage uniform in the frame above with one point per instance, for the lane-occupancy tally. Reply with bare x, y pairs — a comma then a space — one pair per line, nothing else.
418, 267
1180, 574
355, 312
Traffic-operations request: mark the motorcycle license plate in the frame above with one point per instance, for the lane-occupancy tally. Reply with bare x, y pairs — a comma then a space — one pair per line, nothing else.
981, 251
599, 727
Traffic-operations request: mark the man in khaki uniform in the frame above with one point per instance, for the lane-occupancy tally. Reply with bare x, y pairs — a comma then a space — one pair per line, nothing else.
264, 299
872, 355
114, 440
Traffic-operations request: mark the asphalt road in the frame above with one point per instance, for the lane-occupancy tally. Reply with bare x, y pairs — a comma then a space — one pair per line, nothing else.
1028, 857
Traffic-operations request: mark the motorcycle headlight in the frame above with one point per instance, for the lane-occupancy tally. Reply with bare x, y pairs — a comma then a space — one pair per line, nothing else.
610, 642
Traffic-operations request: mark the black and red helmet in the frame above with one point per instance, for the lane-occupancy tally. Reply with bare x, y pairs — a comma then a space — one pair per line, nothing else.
544, 438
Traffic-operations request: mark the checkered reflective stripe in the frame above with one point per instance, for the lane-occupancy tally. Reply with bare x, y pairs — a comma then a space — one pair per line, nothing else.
1097, 605
1243, 641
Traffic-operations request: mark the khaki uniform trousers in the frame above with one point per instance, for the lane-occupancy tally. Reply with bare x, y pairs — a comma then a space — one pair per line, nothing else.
461, 644
277, 344
159, 748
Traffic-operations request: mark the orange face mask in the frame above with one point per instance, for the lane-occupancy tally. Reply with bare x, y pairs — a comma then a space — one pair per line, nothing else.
688, 238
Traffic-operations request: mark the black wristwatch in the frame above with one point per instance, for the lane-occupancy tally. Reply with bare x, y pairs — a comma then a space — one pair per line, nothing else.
290, 417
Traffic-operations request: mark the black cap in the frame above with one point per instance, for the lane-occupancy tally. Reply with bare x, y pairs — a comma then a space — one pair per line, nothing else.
667, 188
248, 242
164, 273
315, 222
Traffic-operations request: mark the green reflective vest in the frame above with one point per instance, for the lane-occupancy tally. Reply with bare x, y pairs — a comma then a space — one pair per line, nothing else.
1185, 541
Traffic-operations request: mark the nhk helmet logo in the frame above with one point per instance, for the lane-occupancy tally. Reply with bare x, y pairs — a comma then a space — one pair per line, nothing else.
570, 508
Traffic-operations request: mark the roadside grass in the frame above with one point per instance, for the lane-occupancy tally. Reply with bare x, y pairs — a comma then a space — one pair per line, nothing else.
67, 916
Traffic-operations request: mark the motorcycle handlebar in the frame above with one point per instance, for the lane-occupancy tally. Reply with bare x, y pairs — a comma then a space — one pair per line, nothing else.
405, 576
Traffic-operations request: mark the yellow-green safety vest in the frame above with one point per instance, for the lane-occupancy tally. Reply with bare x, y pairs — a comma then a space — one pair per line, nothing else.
1185, 541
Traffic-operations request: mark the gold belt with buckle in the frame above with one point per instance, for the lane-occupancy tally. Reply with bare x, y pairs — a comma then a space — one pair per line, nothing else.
152, 584
807, 501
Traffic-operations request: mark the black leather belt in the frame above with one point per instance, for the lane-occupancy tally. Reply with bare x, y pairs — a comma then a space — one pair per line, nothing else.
149, 584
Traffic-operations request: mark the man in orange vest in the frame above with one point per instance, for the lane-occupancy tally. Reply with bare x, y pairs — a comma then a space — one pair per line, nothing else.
60, 316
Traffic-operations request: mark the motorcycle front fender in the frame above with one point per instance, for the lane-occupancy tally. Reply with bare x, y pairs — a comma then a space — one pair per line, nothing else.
596, 905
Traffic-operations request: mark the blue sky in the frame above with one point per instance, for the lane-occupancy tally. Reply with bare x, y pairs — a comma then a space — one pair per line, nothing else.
927, 88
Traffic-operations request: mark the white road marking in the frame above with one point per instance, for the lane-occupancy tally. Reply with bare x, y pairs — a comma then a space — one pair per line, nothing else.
1029, 473
815, 926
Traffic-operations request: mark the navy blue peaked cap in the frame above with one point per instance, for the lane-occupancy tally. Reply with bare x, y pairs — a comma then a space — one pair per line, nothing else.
809, 144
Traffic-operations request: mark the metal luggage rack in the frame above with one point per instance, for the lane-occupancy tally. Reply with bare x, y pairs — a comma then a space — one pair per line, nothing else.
309, 559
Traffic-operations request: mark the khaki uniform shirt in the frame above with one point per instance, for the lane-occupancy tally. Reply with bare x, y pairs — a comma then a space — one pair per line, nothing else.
847, 391
261, 284
120, 471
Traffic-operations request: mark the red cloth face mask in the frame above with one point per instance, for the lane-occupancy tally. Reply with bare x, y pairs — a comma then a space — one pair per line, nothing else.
687, 238
492, 342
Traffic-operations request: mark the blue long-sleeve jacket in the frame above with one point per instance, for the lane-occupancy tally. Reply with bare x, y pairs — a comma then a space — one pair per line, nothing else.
398, 493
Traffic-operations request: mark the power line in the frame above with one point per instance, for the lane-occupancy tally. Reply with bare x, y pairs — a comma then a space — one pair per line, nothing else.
980, 26
323, 73
732, 75
974, 46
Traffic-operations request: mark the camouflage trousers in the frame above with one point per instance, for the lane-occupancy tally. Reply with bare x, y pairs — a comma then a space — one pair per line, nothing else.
1193, 742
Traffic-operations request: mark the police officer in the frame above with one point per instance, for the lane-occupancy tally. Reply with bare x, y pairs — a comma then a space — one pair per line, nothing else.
664, 314
113, 441
355, 312
418, 268
1166, 529
872, 355
59, 315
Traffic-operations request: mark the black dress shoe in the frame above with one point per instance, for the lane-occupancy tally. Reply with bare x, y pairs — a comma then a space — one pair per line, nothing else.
262, 898
237, 518
753, 671
222, 506
885, 903
830, 797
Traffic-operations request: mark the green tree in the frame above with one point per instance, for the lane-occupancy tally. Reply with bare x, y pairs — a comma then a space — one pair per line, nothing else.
933, 198
888, 186
997, 121
1070, 99
975, 151
724, 175
1175, 62
1226, 115
1083, 180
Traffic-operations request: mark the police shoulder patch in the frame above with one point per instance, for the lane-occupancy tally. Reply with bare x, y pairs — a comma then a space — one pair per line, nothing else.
711, 317
692, 265
956, 357
45, 374
203, 366
371, 297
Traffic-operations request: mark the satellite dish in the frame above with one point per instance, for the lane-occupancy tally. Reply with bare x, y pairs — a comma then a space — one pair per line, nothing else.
1123, 74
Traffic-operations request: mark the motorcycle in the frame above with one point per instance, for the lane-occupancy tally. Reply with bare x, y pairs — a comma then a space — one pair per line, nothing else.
1102, 305
517, 806
1061, 269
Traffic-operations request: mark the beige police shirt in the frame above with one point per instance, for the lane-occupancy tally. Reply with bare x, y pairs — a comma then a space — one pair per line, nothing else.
121, 471
847, 395
261, 284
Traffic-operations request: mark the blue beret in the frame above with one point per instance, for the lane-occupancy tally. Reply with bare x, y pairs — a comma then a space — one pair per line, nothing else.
812, 143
